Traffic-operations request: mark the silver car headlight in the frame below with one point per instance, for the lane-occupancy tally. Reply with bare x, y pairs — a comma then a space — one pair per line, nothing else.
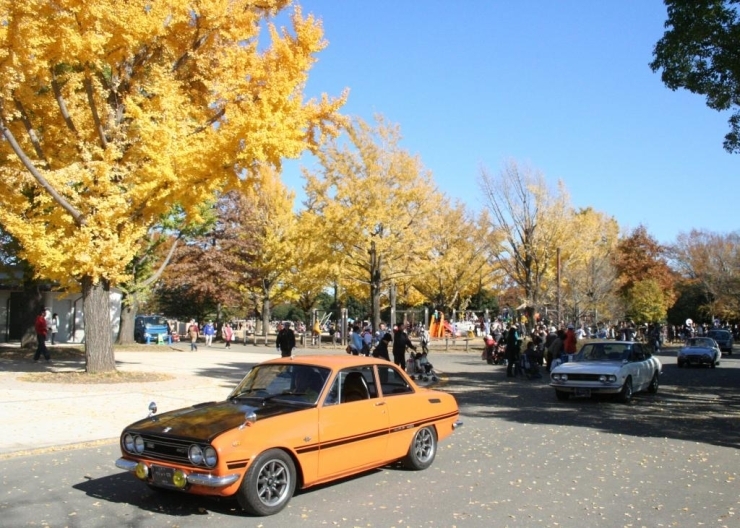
128, 442
138, 445
607, 378
195, 454
210, 457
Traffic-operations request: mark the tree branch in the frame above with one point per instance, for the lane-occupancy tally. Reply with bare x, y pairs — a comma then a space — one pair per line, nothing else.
60, 101
155, 276
30, 130
78, 218
94, 110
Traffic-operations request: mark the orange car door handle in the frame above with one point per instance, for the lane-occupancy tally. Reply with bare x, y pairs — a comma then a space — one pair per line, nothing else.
378, 404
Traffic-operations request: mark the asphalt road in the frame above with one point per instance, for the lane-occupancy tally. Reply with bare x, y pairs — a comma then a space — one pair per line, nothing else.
522, 459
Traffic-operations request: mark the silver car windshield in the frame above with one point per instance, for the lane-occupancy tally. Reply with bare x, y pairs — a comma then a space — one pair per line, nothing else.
604, 352
702, 342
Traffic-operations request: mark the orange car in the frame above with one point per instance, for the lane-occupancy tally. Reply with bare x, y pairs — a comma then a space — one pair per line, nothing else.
291, 422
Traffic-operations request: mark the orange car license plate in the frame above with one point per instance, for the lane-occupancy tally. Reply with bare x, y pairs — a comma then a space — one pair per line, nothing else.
162, 476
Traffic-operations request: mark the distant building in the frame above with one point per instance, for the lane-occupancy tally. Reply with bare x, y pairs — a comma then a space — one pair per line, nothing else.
15, 319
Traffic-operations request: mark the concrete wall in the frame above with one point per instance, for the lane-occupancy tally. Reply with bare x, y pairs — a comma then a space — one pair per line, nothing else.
71, 315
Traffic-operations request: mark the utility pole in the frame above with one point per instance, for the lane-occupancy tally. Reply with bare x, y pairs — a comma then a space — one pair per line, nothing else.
560, 315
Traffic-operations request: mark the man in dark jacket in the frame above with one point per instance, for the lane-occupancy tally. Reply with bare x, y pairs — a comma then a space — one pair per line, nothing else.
381, 350
286, 340
400, 343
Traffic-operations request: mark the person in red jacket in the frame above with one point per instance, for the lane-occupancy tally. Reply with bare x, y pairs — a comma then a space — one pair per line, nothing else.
41, 331
569, 346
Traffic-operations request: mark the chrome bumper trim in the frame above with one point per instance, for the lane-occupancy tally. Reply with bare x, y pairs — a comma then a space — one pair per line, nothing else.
199, 479
128, 465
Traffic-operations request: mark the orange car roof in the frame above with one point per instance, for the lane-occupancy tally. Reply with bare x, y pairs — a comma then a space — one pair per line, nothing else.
335, 361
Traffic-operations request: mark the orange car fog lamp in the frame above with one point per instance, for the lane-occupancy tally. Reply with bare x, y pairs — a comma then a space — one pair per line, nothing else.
141, 471
180, 479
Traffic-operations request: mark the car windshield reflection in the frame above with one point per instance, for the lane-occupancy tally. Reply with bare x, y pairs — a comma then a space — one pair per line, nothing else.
702, 342
604, 352
288, 383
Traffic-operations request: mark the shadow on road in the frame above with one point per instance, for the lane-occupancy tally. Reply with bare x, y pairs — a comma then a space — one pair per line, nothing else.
697, 404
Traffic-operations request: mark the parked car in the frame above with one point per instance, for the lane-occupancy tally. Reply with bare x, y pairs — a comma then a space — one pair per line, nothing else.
150, 327
699, 351
607, 367
723, 338
291, 423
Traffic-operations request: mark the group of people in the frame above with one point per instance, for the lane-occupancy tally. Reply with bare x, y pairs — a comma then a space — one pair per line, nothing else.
208, 332
543, 348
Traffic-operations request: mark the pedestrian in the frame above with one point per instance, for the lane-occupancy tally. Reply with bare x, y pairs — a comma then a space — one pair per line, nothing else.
400, 343
208, 332
488, 349
228, 334
286, 340
54, 326
367, 341
570, 344
41, 330
193, 332
381, 350
316, 333
424, 340
513, 346
355, 341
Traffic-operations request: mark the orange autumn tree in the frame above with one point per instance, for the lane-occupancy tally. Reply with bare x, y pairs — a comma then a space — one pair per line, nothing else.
113, 112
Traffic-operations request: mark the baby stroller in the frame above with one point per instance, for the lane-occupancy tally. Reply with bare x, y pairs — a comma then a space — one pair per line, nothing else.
529, 365
423, 370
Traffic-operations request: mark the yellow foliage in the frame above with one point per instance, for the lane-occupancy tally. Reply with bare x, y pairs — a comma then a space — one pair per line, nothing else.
371, 191
125, 109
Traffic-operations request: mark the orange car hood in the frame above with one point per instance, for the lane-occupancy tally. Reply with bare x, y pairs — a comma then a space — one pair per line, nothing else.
205, 421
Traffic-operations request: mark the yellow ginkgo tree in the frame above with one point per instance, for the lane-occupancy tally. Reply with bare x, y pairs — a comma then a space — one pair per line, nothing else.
112, 111
376, 205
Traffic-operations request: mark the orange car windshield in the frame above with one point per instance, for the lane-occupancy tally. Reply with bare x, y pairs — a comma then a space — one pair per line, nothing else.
302, 384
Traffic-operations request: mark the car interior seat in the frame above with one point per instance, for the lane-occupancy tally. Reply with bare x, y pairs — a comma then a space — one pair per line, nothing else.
355, 388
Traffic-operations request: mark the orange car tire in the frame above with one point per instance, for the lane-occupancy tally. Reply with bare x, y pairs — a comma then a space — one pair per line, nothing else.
422, 450
268, 484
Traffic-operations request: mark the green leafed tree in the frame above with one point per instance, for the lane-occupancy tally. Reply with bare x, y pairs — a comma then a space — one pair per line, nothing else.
699, 52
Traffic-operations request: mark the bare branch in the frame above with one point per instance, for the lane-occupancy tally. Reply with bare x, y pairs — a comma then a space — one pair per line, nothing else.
60, 101
30, 130
94, 110
157, 274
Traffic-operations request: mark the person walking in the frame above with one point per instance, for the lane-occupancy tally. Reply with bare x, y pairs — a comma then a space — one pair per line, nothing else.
41, 329
381, 349
193, 332
400, 343
208, 332
513, 346
316, 333
228, 334
285, 340
570, 344
54, 326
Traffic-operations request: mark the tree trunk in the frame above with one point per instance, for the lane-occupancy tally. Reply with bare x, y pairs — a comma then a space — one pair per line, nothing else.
99, 354
129, 310
392, 298
265, 315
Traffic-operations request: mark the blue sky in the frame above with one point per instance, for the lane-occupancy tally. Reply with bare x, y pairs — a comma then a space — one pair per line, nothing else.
562, 86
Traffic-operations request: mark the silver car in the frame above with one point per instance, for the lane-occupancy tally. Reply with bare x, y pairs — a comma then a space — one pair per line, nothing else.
607, 367
699, 351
